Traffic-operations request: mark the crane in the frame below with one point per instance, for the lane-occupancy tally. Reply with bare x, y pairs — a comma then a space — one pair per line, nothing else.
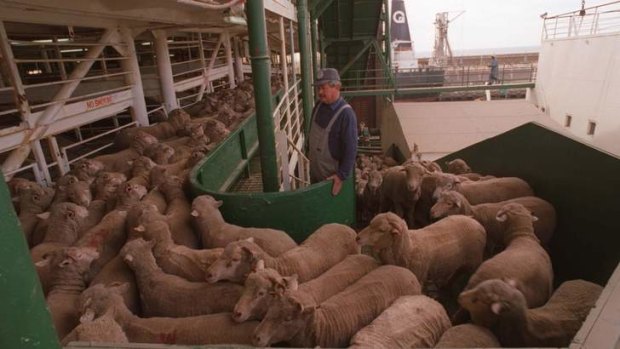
442, 53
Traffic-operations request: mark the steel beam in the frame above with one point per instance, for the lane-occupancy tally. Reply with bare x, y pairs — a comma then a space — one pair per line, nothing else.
164, 68
138, 109
305, 49
356, 57
229, 60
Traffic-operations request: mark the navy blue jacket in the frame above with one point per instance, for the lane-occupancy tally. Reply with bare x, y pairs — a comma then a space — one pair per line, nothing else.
343, 136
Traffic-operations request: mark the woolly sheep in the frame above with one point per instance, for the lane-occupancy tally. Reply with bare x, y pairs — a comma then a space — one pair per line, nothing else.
215, 232
327, 246
524, 260
295, 319
410, 322
468, 336
500, 306
434, 253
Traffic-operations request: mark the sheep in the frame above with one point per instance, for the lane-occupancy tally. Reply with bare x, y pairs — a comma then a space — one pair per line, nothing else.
62, 183
141, 171
215, 232
401, 189
435, 253
215, 130
452, 202
69, 267
176, 259
107, 238
371, 196
33, 201
87, 169
79, 193
457, 166
410, 322
163, 294
499, 305
66, 221
177, 119
490, 190
468, 336
295, 319
327, 246
106, 184
160, 153
262, 284
101, 330
178, 212
127, 196
524, 260
117, 271
99, 301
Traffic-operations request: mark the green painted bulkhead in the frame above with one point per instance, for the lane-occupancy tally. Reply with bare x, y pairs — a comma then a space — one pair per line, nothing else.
25, 320
299, 212
581, 182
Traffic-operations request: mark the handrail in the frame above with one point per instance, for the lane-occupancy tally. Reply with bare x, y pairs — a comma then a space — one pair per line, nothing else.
595, 20
107, 145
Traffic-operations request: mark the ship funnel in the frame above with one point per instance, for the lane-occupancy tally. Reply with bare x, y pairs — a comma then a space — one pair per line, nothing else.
402, 46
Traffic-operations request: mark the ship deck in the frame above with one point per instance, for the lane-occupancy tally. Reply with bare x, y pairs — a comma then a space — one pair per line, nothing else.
440, 128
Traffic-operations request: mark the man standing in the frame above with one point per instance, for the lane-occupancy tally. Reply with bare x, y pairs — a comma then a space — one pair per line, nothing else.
494, 71
333, 133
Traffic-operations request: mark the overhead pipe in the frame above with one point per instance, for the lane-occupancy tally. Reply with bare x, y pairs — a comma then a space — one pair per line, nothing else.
261, 79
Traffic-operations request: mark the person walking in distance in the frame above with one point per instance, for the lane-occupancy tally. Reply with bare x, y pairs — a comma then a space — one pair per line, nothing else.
333, 133
494, 71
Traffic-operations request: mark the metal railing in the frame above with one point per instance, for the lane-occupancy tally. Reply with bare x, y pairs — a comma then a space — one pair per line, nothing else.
288, 121
596, 20
433, 77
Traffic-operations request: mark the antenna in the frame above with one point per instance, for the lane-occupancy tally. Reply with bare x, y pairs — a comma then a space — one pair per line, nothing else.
442, 52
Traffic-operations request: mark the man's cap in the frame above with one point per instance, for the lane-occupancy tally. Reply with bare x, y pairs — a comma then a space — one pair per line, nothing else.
327, 75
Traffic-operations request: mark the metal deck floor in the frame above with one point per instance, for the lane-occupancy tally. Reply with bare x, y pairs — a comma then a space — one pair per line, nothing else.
440, 128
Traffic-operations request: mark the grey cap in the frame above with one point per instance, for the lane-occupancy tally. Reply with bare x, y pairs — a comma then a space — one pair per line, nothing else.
327, 75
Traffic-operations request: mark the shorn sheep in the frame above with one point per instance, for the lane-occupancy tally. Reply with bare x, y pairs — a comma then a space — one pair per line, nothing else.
503, 308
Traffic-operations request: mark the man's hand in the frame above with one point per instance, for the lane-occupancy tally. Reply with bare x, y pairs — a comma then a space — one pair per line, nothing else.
337, 184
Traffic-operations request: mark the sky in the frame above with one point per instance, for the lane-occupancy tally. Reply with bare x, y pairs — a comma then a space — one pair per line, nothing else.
486, 24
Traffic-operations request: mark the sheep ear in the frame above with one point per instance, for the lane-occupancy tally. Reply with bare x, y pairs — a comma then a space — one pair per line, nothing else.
501, 216
140, 228
195, 213
458, 203
497, 308
260, 265
219, 203
130, 162
44, 215
250, 239
291, 282
44, 262
534, 218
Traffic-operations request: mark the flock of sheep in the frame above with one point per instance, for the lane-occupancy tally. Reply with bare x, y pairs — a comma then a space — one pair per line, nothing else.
452, 259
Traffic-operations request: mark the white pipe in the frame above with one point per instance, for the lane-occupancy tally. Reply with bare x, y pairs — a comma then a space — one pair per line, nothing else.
283, 68
138, 109
164, 69
238, 61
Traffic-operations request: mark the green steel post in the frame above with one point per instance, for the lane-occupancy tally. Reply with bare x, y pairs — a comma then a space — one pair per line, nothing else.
314, 34
387, 17
25, 321
261, 75
306, 64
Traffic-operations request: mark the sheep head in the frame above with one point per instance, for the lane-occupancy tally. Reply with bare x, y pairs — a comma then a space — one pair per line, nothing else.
286, 316
235, 262
381, 231
457, 166
491, 299
449, 203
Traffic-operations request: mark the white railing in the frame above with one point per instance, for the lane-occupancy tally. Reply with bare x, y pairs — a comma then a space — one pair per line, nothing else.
289, 129
596, 20
65, 156
38, 176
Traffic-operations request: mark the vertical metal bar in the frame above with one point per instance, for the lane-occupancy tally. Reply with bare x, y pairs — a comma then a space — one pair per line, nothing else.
314, 33
306, 63
46, 64
164, 69
203, 63
138, 108
261, 72
19, 96
229, 61
238, 61
39, 156
62, 162
61, 64
283, 67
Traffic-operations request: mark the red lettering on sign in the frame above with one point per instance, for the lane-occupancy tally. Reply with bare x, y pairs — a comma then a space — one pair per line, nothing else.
98, 102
